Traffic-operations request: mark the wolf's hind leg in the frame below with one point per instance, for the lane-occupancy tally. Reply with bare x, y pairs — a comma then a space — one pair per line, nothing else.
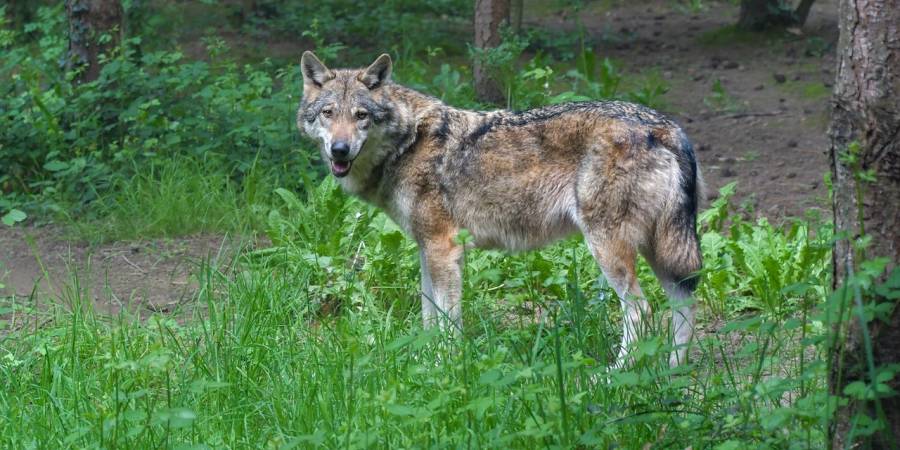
616, 258
676, 260
441, 261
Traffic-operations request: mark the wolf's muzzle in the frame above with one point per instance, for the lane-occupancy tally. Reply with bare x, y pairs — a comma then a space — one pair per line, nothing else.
340, 161
340, 150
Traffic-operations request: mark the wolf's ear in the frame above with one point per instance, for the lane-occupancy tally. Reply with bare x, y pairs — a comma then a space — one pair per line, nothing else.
378, 73
314, 72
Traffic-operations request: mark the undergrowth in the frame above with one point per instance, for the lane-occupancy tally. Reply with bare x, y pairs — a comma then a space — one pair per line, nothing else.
181, 196
317, 342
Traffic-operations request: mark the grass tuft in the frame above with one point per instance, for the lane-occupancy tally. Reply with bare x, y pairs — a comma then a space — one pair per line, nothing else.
176, 197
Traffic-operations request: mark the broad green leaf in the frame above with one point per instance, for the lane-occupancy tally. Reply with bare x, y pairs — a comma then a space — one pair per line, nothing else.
13, 217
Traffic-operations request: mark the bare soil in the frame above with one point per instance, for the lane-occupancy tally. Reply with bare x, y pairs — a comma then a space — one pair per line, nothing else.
767, 133
39, 266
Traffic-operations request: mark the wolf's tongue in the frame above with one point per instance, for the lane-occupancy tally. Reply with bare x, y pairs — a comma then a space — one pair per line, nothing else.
340, 166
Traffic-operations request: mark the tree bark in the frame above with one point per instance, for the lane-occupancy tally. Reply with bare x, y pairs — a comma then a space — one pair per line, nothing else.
866, 111
89, 22
490, 15
756, 15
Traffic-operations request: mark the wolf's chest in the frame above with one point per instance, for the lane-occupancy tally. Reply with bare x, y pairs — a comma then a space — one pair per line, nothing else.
399, 207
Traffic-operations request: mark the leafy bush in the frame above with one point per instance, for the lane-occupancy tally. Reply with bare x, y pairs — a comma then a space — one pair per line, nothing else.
760, 267
73, 141
397, 24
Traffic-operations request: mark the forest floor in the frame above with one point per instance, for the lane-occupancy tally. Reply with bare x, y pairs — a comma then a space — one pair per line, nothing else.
755, 106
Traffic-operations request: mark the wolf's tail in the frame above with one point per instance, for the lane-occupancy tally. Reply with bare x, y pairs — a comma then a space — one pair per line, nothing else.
676, 250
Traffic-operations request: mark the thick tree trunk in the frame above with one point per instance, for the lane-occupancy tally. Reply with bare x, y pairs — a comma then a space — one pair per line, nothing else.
89, 22
758, 15
866, 112
490, 15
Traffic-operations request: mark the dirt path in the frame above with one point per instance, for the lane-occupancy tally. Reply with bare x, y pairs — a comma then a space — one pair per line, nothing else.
766, 127
144, 276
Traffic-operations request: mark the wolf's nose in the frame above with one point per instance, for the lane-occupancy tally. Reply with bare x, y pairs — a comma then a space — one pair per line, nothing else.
340, 150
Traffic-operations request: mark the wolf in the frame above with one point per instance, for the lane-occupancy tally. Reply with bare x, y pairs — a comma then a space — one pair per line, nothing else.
622, 175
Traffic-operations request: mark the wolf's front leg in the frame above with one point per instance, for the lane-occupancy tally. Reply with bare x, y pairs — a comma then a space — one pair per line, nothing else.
441, 261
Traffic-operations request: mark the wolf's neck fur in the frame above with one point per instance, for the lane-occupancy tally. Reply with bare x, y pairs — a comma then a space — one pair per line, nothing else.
414, 117
396, 136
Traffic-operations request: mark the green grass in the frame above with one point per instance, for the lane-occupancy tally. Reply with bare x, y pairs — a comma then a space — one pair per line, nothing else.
808, 90
731, 34
176, 197
721, 100
316, 343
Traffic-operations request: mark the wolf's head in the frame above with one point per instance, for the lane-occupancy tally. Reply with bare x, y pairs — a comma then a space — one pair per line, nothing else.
340, 108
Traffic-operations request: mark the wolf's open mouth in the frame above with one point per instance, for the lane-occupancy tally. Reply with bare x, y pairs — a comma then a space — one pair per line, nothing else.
340, 168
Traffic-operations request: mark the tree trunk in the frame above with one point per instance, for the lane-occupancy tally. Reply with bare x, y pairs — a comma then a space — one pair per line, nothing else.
95, 28
517, 17
802, 11
866, 112
489, 16
756, 15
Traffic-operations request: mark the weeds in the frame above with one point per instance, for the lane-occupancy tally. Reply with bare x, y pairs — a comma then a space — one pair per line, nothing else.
807, 90
692, 7
760, 267
731, 35
13, 216
316, 342
721, 100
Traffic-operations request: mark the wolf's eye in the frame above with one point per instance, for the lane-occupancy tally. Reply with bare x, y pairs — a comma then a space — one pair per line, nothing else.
362, 115
327, 112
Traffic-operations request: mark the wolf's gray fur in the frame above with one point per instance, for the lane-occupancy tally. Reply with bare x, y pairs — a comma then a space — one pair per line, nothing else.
621, 174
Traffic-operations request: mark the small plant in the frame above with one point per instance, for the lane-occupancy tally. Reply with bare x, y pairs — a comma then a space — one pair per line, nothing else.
692, 6
751, 155
448, 82
327, 51
13, 217
757, 265
817, 47
720, 99
592, 80
650, 91
501, 62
